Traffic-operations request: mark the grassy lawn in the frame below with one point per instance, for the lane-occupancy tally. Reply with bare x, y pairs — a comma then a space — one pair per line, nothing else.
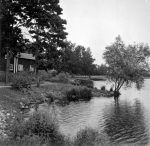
11, 101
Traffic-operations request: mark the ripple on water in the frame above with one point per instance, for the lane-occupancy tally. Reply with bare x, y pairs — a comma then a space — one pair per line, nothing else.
126, 121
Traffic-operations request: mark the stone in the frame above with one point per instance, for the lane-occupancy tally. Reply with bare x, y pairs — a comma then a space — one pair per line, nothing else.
8, 114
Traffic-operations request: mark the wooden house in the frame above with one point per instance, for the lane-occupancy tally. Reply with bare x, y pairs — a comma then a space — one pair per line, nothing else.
21, 62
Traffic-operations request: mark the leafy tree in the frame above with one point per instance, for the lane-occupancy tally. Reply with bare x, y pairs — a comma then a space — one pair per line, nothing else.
76, 59
12, 41
127, 65
42, 18
67, 58
0, 29
100, 69
87, 62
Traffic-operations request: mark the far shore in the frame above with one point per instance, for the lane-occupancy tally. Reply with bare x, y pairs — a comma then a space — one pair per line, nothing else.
94, 78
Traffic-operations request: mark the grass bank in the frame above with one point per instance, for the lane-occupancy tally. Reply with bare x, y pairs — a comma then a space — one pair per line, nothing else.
94, 78
42, 130
60, 89
12, 102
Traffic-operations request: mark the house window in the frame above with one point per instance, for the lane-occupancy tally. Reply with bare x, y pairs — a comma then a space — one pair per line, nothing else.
20, 67
11, 67
31, 68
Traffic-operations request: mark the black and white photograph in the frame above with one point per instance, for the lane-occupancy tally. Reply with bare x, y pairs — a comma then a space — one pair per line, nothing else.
74, 72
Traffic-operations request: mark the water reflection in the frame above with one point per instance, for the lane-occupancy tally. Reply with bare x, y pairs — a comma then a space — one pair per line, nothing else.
125, 123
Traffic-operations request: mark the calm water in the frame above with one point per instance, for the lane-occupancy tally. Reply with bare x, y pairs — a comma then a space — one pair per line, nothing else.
125, 122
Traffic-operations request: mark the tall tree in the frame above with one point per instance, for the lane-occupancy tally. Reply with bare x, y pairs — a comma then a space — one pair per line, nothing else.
100, 69
1, 15
76, 59
11, 36
87, 62
66, 58
42, 18
126, 65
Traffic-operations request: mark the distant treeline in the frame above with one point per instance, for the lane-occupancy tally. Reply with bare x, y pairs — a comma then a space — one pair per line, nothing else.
77, 59
100, 70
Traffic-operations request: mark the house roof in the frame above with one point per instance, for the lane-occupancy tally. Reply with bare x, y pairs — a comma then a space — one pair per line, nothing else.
26, 56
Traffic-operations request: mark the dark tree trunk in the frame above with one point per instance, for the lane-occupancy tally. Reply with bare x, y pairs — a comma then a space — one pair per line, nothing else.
0, 32
116, 94
37, 77
7, 67
36, 58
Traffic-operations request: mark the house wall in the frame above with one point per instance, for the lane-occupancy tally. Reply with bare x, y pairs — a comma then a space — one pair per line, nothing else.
26, 63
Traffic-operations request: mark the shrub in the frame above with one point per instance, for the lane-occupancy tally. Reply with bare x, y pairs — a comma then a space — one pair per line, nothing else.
63, 78
76, 94
45, 76
25, 141
103, 88
86, 137
90, 137
74, 82
54, 73
86, 93
39, 124
50, 96
54, 79
73, 94
111, 89
87, 83
20, 82
30, 75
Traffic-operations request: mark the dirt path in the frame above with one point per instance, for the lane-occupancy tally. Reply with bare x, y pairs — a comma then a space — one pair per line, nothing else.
42, 84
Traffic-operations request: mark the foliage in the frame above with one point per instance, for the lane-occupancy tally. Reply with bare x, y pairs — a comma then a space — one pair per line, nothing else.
45, 75
76, 59
111, 89
87, 62
67, 61
61, 78
54, 72
25, 141
27, 74
103, 88
39, 124
19, 82
50, 96
12, 40
126, 65
85, 137
100, 70
90, 137
46, 27
76, 94
87, 83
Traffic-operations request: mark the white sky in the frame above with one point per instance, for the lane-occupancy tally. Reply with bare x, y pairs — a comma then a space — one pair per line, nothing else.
96, 23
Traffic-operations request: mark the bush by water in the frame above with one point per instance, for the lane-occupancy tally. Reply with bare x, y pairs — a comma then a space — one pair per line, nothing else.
76, 94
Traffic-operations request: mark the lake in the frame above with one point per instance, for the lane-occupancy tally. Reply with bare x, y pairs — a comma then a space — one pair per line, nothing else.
124, 122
